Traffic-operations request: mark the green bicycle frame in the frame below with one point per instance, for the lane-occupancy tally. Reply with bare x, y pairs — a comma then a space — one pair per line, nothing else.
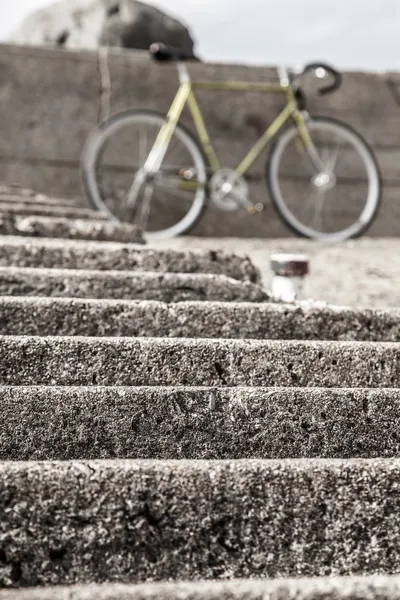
186, 94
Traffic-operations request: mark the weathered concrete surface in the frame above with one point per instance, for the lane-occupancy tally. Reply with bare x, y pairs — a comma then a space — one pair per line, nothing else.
48, 157
132, 521
375, 587
15, 190
240, 316
39, 200
74, 284
47, 210
16, 193
68, 228
56, 423
76, 254
157, 361
359, 273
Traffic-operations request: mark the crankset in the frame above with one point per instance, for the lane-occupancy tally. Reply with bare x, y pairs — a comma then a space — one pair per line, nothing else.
229, 191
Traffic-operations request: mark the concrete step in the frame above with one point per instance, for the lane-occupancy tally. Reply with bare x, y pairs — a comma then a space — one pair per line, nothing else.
64, 423
39, 200
131, 521
65, 286
47, 210
197, 362
108, 256
16, 193
373, 587
206, 318
72, 229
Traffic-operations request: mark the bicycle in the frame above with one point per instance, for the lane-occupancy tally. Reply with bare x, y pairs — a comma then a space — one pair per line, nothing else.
303, 164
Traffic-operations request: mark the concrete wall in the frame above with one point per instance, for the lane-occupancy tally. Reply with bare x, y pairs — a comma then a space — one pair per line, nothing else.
50, 100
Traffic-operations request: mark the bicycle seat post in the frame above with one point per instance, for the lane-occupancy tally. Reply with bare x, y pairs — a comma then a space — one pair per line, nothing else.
183, 72
284, 78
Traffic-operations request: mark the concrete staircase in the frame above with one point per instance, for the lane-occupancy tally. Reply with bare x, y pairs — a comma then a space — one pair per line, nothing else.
167, 430
22, 213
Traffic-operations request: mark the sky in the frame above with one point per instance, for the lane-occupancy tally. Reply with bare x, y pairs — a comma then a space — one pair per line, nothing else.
352, 34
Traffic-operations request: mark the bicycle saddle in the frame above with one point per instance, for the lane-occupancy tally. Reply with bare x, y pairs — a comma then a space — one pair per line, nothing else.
162, 52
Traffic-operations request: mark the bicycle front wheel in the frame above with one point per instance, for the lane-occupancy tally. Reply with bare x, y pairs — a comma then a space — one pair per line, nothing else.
330, 192
166, 204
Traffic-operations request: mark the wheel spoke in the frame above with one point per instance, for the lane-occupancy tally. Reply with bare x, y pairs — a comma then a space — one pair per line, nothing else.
333, 158
308, 163
170, 183
145, 207
130, 199
309, 201
177, 193
143, 147
172, 145
318, 221
324, 154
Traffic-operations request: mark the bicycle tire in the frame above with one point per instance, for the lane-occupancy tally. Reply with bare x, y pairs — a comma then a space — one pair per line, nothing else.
375, 192
92, 150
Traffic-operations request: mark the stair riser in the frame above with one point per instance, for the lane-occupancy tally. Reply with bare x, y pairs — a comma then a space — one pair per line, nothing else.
49, 210
214, 423
151, 361
67, 523
116, 285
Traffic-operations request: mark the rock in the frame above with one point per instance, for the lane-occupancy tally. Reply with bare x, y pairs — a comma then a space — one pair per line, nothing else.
94, 23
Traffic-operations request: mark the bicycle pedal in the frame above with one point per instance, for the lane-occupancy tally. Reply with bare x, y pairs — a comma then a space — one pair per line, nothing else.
252, 210
187, 173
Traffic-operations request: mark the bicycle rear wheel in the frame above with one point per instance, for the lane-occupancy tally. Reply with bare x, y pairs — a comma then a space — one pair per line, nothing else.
165, 205
333, 195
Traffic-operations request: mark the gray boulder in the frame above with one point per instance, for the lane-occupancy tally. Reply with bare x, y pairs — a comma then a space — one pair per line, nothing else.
94, 23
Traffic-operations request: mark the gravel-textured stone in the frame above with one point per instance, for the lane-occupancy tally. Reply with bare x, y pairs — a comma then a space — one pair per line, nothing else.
71, 229
375, 587
46, 210
358, 273
16, 193
213, 423
234, 318
39, 201
109, 315
326, 502
157, 361
132, 521
108, 256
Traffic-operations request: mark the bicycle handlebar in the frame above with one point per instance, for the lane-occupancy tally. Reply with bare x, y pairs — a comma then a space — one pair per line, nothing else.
331, 71
324, 69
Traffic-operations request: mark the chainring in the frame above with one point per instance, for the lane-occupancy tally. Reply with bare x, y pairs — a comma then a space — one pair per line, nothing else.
226, 188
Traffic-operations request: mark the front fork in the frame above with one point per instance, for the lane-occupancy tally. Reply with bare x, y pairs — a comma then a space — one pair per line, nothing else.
160, 146
305, 142
152, 164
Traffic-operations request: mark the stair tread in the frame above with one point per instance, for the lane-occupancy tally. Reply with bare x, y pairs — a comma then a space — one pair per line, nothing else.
77, 254
165, 306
